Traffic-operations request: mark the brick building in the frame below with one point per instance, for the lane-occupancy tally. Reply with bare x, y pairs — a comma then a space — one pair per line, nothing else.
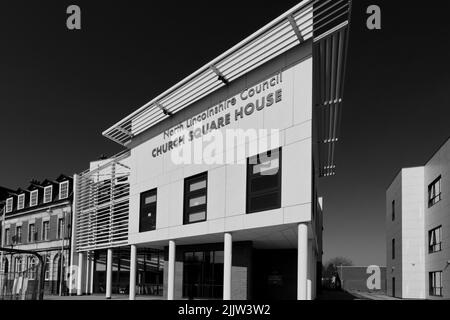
37, 218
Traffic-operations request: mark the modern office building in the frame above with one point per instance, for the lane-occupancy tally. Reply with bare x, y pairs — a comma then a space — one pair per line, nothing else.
418, 228
216, 195
37, 219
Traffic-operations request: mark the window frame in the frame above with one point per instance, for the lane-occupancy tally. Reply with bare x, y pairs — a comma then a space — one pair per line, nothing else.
437, 197
64, 184
431, 284
189, 195
252, 176
9, 206
431, 247
45, 231
21, 201
7, 236
45, 193
60, 229
18, 234
142, 207
31, 236
32, 193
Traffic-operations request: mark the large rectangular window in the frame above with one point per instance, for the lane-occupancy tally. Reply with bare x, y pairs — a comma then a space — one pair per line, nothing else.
63, 190
60, 231
21, 202
19, 234
31, 233
434, 192
195, 198
7, 237
435, 240
147, 221
393, 249
45, 230
9, 205
34, 198
48, 194
435, 280
203, 274
264, 182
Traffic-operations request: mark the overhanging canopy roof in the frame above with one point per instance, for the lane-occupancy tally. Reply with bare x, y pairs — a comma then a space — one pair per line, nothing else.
310, 19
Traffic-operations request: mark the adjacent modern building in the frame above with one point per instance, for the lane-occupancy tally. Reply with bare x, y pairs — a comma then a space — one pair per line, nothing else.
215, 195
418, 228
38, 219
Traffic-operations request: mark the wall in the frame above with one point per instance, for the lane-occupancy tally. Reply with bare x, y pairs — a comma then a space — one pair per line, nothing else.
413, 240
394, 231
438, 215
227, 183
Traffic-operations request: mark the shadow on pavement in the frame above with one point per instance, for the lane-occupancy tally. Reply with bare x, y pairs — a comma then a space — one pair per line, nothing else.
336, 295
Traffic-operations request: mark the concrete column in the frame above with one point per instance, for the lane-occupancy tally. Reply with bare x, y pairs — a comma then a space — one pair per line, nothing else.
133, 265
80, 275
88, 272
91, 285
171, 275
109, 274
310, 271
302, 264
227, 265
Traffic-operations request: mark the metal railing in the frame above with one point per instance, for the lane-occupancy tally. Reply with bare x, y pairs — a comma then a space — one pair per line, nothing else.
21, 284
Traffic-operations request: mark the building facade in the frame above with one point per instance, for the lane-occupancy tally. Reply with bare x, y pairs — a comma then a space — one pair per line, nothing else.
217, 190
418, 227
38, 219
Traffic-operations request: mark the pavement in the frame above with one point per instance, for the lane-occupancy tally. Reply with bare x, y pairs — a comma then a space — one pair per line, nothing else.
98, 297
372, 295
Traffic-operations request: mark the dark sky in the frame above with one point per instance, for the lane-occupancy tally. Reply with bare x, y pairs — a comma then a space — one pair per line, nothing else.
60, 89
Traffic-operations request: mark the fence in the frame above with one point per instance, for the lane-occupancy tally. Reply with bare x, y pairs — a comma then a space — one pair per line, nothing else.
18, 283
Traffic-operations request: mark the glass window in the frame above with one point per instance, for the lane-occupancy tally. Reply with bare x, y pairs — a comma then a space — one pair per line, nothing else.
435, 240
31, 232
9, 205
63, 190
7, 237
434, 192
47, 268
264, 182
203, 274
435, 280
45, 230
147, 221
195, 198
32, 268
19, 234
48, 194
34, 198
21, 202
19, 266
60, 228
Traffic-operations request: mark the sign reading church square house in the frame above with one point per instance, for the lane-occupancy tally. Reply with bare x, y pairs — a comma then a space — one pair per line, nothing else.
266, 94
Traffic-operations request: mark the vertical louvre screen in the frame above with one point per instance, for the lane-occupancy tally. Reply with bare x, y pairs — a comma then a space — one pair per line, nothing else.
102, 205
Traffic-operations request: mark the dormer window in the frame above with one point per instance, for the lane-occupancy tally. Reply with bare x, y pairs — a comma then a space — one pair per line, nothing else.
63, 190
9, 205
48, 194
21, 202
34, 198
